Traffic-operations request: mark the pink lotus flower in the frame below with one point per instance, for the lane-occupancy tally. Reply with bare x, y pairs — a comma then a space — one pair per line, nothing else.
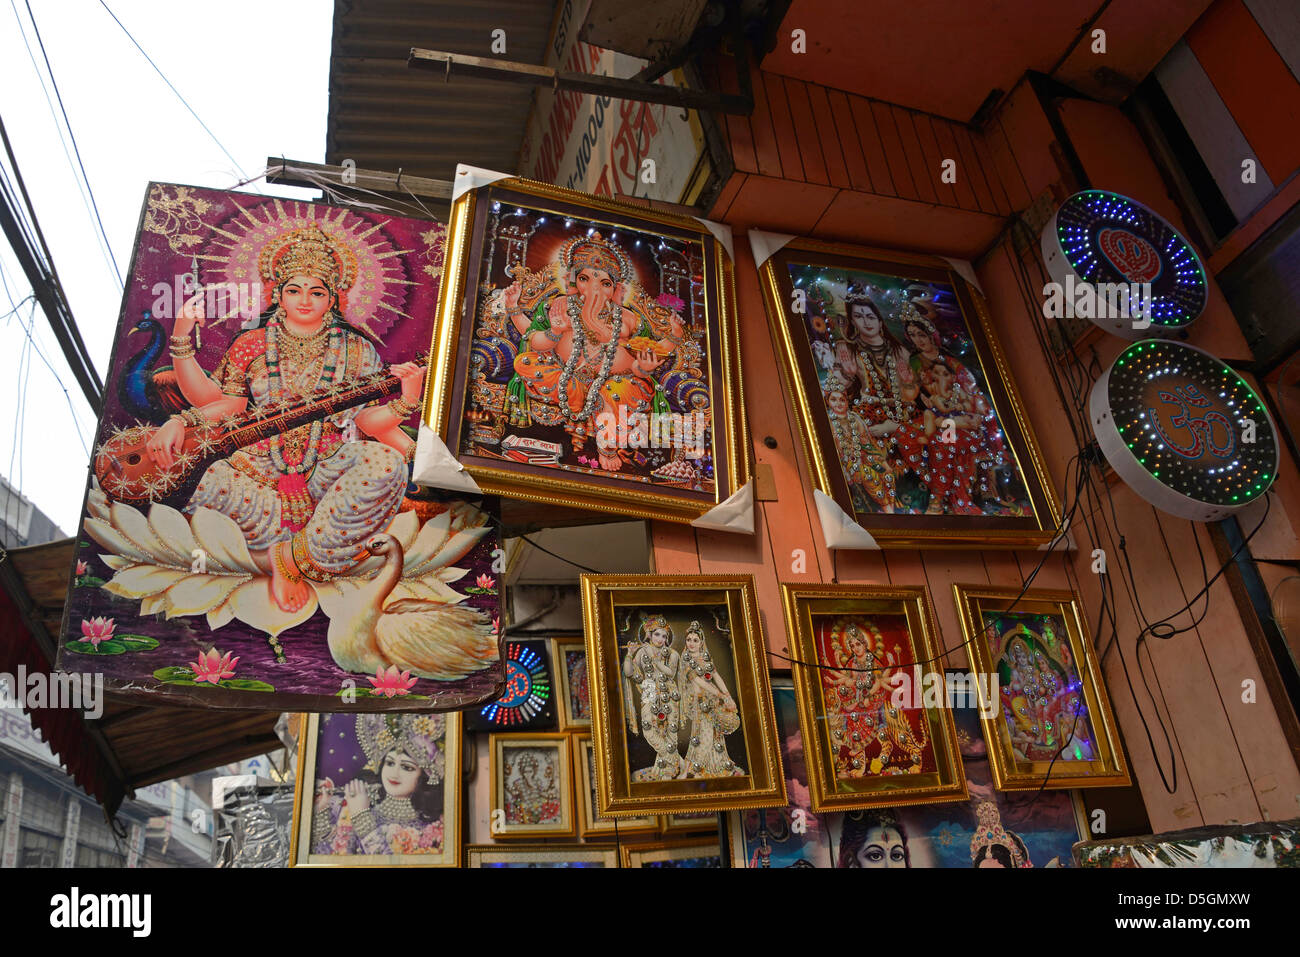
485, 581
82, 569
496, 625
213, 666
671, 302
392, 683
96, 630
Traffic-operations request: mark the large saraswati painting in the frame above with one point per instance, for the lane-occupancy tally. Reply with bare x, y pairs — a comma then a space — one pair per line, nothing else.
910, 419
251, 538
591, 354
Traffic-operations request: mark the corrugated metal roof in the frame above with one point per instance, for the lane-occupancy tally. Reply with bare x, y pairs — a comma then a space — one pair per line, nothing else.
385, 116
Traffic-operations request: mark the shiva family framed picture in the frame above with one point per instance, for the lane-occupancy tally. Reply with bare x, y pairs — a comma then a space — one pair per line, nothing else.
871, 737
681, 711
377, 789
1051, 725
910, 419
250, 538
587, 353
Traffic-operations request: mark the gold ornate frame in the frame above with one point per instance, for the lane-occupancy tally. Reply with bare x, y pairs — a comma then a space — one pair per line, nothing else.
303, 809
1010, 773
589, 826
497, 826
444, 403
827, 793
558, 647
764, 783
638, 855
679, 824
908, 531
479, 855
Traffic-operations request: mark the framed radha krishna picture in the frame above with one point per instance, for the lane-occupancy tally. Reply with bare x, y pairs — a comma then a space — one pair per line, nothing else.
250, 537
588, 354
911, 420
378, 789
681, 710
874, 732
1050, 722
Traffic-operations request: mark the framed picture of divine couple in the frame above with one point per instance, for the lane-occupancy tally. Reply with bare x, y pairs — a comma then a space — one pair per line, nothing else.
250, 537
681, 711
587, 353
911, 421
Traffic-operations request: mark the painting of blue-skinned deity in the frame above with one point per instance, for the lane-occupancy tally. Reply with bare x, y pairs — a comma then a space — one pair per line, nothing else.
595, 356
250, 536
678, 687
379, 789
991, 829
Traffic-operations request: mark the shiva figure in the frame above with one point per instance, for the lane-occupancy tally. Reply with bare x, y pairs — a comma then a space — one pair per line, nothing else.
652, 664
587, 352
709, 712
306, 501
395, 805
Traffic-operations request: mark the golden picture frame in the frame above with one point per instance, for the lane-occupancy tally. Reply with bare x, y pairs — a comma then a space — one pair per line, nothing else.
688, 823
532, 271
590, 824
920, 437
682, 714
540, 855
862, 654
681, 854
569, 663
532, 786
343, 757
1051, 724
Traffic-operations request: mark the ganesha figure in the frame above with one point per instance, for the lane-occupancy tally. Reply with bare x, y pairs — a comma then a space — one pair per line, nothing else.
588, 351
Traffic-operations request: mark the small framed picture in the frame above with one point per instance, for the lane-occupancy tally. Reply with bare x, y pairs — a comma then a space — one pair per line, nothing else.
910, 415
590, 824
528, 702
681, 711
570, 661
691, 822
673, 854
1050, 722
540, 855
587, 353
532, 790
377, 789
876, 727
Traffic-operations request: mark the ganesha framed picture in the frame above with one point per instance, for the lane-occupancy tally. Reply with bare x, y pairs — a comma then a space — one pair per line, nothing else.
876, 732
588, 354
682, 715
250, 537
532, 786
1047, 721
378, 790
911, 421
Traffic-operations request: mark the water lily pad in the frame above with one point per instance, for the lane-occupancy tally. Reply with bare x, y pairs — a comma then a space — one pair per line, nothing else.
137, 642
372, 693
173, 674
110, 647
89, 581
245, 684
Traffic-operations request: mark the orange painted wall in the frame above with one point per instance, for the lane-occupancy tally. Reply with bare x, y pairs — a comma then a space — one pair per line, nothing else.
1230, 760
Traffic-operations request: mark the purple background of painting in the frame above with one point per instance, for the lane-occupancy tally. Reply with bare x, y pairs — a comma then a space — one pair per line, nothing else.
309, 669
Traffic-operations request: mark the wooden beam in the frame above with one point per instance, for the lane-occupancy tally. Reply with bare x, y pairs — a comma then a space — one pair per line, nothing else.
290, 173
485, 68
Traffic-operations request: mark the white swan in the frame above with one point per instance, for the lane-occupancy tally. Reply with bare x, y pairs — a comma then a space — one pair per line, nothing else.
369, 630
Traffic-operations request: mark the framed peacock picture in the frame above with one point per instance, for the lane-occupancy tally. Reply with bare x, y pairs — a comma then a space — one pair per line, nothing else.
250, 537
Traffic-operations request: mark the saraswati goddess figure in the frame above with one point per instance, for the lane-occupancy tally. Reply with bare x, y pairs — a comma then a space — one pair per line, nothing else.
306, 501
588, 352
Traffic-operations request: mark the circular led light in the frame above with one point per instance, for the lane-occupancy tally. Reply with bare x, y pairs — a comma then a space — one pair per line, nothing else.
528, 688
1184, 430
1103, 249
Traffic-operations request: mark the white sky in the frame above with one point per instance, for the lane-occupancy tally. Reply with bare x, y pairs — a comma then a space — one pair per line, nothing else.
257, 73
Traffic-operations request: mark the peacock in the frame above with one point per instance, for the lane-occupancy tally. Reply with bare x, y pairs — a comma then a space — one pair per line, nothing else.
148, 394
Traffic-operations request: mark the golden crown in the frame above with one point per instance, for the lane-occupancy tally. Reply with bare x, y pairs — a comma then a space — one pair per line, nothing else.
308, 251
991, 833
909, 313
595, 252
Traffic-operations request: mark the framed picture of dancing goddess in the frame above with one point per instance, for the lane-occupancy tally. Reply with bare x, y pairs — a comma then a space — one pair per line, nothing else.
911, 421
587, 353
681, 715
250, 536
